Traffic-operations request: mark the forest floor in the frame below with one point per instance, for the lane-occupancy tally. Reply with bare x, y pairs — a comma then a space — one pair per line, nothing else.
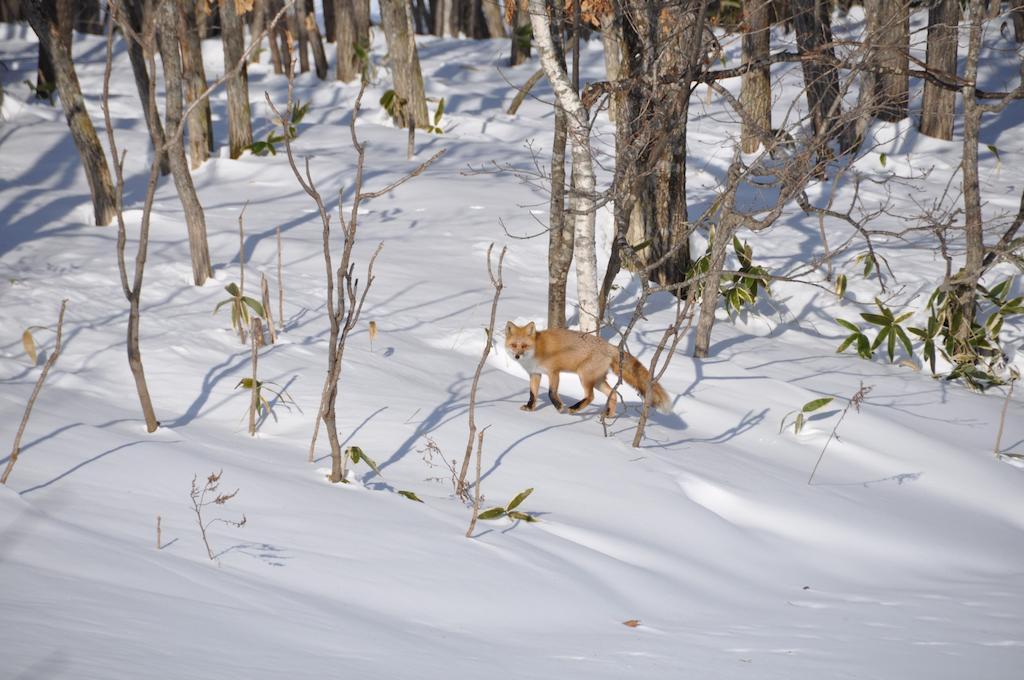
904, 558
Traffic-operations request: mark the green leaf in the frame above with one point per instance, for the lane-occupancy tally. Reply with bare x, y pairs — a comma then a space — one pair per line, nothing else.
995, 151
640, 246
848, 325
353, 453
410, 495
493, 513
816, 404
892, 346
904, 340
439, 113
882, 158
846, 343
876, 319
903, 317
232, 289
522, 516
882, 335
799, 423
256, 306
863, 346
515, 502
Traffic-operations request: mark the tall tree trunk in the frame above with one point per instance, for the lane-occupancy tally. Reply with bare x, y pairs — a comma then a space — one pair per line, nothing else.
653, 120
405, 62
64, 14
10, 11
239, 116
136, 20
297, 26
582, 166
612, 57
347, 64
330, 29
973, 225
813, 24
889, 34
561, 231
259, 23
200, 121
521, 29
1017, 14
87, 17
42, 17
312, 33
939, 103
755, 91
492, 19
167, 33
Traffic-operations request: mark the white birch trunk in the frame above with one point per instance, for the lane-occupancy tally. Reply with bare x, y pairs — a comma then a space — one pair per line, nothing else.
583, 168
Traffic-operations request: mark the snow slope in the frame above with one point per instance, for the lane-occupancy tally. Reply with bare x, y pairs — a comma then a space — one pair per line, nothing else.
902, 559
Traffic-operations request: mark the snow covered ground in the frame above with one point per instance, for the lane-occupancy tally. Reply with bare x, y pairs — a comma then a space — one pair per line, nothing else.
903, 559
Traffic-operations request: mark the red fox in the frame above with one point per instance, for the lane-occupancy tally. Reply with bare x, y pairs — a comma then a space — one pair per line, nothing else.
588, 356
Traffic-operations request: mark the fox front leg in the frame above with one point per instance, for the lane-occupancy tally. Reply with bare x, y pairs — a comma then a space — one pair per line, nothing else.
531, 403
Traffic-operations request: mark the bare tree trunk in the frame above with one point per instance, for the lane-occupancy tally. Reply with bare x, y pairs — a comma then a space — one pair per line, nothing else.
813, 24
973, 225
259, 22
297, 27
200, 121
492, 19
330, 29
612, 57
239, 117
134, 14
347, 63
561, 234
889, 35
584, 183
652, 123
939, 103
319, 55
167, 33
405, 61
87, 17
756, 92
42, 17
1017, 14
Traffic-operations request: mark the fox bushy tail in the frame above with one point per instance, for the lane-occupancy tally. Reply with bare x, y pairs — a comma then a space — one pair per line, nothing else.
637, 376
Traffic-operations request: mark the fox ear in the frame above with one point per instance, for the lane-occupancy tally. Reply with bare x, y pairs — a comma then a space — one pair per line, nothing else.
509, 326
531, 328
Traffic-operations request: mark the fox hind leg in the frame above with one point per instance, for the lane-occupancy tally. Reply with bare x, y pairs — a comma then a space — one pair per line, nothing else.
607, 390
553, 390
588, 395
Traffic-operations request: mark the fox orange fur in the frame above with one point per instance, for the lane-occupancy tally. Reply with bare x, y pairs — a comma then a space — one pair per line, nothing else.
588, 356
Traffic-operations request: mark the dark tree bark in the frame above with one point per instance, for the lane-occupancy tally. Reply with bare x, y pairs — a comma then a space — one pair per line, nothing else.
239, 116
665, 39
167, 33
813, 25
330, 29
87, 17
259, 22
1017, 14
973, 225
46, 78
10, 10
756, 92
889, 34
405, 62
42, 16
200, 121
939, 103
